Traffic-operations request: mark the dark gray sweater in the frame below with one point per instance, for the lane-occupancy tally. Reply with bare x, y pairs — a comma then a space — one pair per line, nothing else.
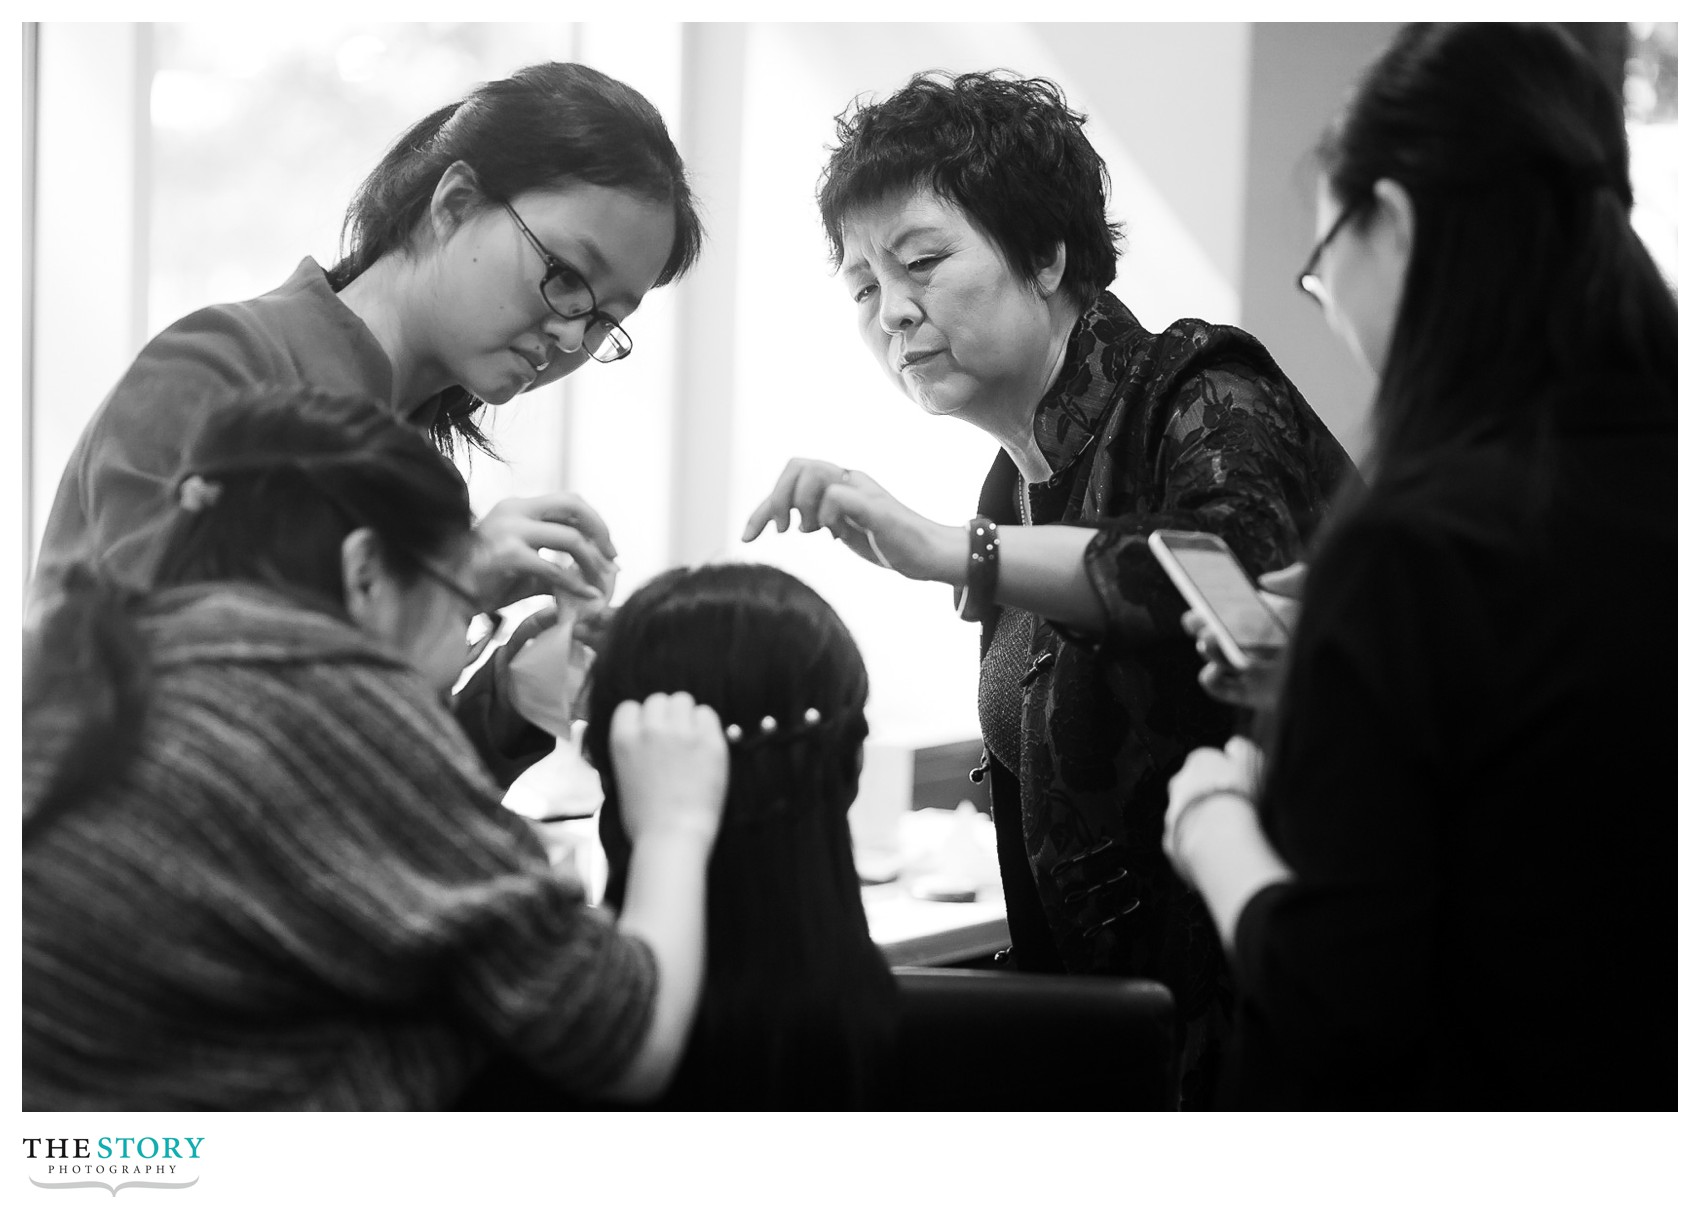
301, 891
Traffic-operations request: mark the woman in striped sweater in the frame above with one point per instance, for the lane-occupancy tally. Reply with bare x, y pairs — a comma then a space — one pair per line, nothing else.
263, 867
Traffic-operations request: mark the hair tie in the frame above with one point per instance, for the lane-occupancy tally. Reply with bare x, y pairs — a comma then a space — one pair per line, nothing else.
196, 493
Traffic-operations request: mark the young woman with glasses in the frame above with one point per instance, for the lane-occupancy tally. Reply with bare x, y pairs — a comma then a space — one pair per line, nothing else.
502, 242
1446, 881
263, 867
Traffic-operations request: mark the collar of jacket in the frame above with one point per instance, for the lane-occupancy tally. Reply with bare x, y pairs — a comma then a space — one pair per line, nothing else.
1101, 352
242, 623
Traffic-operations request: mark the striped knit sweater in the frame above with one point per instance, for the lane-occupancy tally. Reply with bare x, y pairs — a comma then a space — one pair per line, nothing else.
302, 891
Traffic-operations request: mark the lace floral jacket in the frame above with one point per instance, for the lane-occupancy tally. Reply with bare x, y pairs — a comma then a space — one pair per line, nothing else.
1194, 428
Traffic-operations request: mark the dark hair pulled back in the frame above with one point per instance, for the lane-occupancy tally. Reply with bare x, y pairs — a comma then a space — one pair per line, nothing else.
547, 124
798, 1003
288, 473
1525, 273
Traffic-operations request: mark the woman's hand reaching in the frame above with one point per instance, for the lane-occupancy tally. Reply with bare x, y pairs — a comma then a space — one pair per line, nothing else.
547, 663
862, 516
552, 652
670, 763
1211, 832
510, 565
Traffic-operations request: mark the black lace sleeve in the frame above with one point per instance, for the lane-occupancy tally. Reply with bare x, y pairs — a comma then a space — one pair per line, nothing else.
1231, 449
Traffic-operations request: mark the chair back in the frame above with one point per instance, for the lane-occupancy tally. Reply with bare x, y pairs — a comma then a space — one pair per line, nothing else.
984, 1040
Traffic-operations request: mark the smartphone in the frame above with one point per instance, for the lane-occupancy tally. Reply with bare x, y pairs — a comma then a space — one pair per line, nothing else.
1208, 576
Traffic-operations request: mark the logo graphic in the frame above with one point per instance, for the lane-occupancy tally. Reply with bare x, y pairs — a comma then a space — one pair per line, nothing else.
114, 1163
114, 1189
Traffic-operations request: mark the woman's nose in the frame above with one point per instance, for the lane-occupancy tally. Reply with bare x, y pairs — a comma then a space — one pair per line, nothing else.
898, 311
567, 335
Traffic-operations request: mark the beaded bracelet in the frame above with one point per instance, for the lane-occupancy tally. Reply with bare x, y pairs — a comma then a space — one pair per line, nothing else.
974, 601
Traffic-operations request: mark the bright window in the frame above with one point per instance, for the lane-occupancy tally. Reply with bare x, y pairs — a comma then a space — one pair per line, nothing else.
1649, 97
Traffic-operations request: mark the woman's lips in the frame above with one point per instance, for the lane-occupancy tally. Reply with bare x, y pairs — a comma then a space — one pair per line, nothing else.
910, 361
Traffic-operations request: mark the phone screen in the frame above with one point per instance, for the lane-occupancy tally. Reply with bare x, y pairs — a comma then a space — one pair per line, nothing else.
1232, 597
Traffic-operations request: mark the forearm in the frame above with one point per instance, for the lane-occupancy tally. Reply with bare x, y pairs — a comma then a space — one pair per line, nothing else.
665, 906
1040, 569
1043, 569
1227, 858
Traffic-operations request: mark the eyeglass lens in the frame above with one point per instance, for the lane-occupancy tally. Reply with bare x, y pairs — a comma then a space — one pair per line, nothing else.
567, 294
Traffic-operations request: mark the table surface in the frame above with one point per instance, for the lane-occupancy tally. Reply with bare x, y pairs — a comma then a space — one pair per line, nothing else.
912, 931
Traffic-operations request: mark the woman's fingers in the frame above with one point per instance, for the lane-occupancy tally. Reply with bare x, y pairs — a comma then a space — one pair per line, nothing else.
536, 535
1224, 684
1288, 582
670, 762
1205, 768
515, 532
591, 627
561, 507
510, 565
798, 488
776, 506
855, 509
527, 573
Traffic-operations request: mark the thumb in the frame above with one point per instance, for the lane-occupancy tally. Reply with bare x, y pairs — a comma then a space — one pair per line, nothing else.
1246, 757
1288, 582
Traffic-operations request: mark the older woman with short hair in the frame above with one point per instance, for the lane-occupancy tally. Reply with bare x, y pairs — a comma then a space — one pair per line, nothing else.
967, 217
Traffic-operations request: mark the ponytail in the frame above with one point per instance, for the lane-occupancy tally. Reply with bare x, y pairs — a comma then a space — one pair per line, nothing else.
272, 483
546, 124
85, 676
1525, 276
391, 201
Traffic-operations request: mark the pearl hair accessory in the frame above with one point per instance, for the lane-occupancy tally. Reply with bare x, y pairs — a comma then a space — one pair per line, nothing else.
768, 730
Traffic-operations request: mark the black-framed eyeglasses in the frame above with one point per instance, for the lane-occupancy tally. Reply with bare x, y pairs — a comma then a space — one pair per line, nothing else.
482, 631
569, 296
1308, 281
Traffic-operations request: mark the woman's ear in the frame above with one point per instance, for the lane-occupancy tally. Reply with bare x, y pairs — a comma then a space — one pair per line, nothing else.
1050, 275
363, 581
457, 195
1401, 214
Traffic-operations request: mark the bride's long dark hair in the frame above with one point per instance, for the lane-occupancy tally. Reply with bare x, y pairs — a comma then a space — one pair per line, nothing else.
798, 1005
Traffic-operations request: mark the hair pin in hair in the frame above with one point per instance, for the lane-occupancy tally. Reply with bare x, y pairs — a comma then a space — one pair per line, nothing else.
196, 493
769, 730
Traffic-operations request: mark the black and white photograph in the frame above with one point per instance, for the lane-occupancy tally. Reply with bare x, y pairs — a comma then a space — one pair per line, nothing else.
623, 578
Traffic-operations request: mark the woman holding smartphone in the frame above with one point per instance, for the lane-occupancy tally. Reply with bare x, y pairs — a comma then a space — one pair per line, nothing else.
1438, 890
